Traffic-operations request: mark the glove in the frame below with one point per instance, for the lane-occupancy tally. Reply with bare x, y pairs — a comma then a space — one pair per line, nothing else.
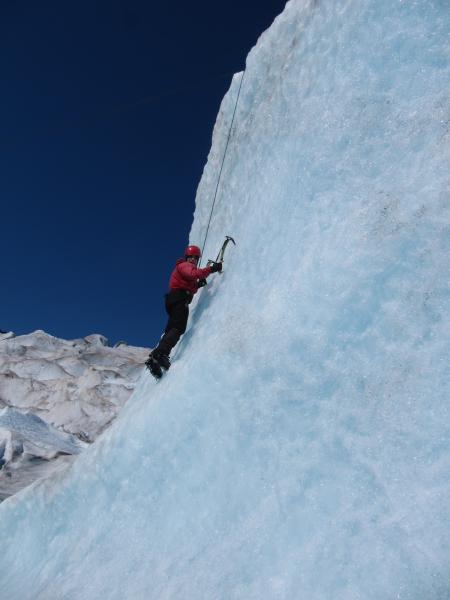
216, 267
201, 282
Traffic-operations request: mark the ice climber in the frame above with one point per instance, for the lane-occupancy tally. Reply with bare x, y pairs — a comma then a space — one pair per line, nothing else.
184, 282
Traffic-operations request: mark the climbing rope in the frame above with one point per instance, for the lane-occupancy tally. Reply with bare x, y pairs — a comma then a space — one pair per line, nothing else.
221, 166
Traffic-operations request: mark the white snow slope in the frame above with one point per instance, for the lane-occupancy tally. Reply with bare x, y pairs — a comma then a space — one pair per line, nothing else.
299, 447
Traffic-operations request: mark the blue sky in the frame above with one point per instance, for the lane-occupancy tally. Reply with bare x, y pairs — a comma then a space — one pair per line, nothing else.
107, 114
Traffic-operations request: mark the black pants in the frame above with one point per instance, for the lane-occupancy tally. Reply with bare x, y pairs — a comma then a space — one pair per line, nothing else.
177, 307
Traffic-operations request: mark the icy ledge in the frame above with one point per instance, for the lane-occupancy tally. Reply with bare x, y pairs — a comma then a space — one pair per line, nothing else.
55, 396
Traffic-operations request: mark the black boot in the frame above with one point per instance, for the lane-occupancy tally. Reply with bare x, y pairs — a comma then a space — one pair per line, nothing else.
162, 358
154, 367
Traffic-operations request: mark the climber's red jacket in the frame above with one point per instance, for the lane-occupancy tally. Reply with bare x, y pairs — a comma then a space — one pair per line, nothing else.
185, 276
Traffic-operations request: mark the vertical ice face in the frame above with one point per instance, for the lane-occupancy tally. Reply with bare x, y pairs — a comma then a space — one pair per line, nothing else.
299, 446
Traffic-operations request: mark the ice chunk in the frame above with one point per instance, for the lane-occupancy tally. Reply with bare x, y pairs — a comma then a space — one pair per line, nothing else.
31, 428
97, 340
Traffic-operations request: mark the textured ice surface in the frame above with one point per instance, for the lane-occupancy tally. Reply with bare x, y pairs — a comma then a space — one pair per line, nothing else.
31, 428
299, 447
77, 385
30, 448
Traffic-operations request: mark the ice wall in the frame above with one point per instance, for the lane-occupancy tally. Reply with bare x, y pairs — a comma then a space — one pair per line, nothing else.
299, 447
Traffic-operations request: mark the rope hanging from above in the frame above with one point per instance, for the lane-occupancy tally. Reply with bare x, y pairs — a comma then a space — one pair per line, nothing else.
223, 161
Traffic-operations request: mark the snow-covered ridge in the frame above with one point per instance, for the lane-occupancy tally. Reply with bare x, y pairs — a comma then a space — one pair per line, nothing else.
54, 396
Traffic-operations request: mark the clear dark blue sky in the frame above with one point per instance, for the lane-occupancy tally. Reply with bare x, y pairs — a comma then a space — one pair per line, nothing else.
97, 181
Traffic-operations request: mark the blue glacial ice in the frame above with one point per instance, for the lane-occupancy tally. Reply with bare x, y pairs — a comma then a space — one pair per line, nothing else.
30, 449
42, 437
299, 448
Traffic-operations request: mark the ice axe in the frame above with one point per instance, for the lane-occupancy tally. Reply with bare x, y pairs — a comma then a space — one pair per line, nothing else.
221, 254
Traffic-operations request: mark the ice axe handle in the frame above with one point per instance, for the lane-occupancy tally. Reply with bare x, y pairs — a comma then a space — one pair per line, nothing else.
220, 256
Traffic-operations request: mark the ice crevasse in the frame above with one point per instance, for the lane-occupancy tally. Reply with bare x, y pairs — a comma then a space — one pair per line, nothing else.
299, 448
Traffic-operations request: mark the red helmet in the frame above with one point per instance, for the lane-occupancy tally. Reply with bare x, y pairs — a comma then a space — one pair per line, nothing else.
193, 251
